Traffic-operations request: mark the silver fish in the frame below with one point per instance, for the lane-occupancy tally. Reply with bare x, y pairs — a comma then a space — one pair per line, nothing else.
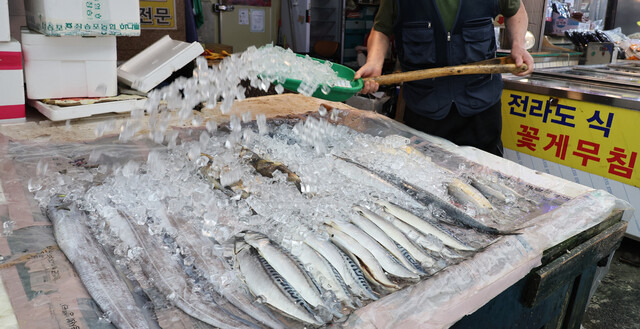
261, 285
425, 198
467, 194
169, 277
421, 240
214, 267
397, 235
101, 279
349, 271
387, 261
286, 267
422, 225
487, 190
383, 239
372, 269
324, 272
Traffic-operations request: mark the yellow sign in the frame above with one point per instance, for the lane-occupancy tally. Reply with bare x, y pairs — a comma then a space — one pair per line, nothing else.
598, 139
158, 15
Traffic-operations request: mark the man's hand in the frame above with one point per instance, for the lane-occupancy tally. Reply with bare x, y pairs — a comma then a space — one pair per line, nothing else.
517, 28
520, 56
377, 46
366, 71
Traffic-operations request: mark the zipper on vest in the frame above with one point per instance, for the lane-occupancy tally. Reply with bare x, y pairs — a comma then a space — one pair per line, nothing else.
448, 36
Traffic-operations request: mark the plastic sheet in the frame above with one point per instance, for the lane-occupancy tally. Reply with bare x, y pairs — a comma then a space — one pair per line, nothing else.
50, 293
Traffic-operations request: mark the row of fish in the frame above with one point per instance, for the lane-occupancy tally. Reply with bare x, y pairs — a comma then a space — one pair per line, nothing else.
368, 256
318, 282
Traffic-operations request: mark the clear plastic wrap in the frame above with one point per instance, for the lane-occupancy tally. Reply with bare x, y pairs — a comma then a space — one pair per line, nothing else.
46, 155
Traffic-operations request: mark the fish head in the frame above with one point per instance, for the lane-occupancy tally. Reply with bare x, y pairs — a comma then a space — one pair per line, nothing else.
59, 202
255, 239
240, 245
358, 209
383, 203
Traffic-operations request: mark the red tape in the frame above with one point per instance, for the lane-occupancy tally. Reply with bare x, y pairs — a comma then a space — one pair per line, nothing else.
10, 60
11, 111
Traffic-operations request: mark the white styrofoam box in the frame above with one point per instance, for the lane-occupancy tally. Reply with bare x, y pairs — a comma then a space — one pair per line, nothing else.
70, 66
5, 31
84, 17
62, 113
155, 63
11, 82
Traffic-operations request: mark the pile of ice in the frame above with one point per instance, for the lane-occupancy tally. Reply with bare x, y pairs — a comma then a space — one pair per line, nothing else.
210, 85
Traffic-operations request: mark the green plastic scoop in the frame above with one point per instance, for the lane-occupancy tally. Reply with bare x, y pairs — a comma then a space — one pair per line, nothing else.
339, 94
336, 93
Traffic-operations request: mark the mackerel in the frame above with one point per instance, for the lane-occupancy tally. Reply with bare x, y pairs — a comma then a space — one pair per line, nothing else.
422, 225
379, 235
98, 275
425, 198
421, 240
397, 236
322, 271
346, 268
286, 267
372, 269
265, 289
213, 267
467, 194
389, 263
488, 191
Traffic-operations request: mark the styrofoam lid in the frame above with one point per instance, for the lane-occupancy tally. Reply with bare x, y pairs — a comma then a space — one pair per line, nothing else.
157, 62
11, 46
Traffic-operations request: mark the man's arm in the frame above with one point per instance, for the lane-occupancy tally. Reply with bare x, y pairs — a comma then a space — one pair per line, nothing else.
377, 46
517, 28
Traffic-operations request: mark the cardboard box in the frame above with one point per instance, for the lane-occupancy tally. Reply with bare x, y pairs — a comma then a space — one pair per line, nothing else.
11, 82
70, 66
85, 18
5, 34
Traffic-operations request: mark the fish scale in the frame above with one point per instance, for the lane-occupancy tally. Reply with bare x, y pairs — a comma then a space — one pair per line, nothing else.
410, 259
286, 287
338, 260
264, 288
359, 276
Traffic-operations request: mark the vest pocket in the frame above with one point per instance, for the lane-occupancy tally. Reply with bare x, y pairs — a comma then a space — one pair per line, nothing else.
479, 41
418, 46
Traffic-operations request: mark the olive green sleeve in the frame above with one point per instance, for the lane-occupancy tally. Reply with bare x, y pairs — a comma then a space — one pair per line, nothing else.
385, 17
509, 8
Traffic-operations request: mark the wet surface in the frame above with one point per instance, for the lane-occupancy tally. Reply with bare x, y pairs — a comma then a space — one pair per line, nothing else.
616, 303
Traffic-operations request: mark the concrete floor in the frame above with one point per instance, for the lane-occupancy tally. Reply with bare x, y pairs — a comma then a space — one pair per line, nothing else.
616, 302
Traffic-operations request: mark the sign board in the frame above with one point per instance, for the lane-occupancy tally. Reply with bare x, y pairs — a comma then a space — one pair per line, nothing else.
595, 138
158, 15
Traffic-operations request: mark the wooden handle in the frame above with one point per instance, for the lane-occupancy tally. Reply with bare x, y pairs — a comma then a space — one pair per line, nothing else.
447, 71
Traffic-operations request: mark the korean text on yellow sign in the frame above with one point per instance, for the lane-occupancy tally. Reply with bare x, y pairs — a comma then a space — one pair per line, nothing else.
158, 14
598, 139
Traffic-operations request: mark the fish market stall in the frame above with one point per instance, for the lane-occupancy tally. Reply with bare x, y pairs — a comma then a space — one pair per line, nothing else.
578, 123
281, 211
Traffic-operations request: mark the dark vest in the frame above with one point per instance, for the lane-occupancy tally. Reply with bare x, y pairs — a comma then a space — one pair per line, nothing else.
422, 42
